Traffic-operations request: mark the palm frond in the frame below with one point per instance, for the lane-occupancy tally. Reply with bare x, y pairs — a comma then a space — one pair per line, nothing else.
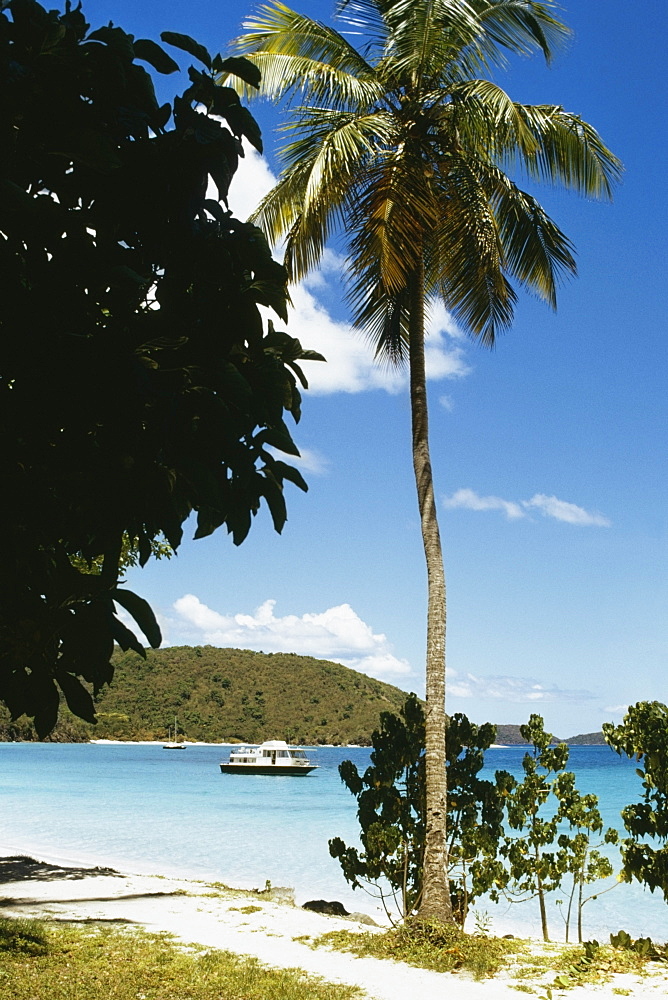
536, 251
465, 259
427, 37
319, 188
390, 215
279, 209
486, 119
347, 133
366, 21
544, 141
382, 318
521, 26
303, 59
570, 152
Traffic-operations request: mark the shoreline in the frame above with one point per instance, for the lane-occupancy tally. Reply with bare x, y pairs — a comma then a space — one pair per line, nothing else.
264, 924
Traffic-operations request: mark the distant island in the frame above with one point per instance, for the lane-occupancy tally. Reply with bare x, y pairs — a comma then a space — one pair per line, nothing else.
237, 695
509, 735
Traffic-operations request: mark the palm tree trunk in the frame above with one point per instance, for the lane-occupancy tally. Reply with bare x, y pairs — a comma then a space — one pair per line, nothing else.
435, 901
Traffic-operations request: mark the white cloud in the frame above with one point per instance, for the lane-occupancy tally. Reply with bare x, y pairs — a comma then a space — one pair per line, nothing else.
252, 181
337, 634
560, 510
616, 709
564, 511
472, 501
351, 365
519, 690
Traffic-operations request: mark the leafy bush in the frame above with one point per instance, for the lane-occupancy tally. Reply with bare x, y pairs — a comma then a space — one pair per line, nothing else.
430, 945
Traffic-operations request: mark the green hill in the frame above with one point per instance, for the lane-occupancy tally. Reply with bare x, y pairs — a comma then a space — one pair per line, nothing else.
230, 694
223, 695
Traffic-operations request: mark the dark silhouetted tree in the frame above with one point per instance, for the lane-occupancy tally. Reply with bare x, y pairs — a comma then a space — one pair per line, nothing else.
138, 382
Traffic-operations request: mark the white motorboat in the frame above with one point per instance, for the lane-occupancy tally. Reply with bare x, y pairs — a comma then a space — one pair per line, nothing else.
271, 757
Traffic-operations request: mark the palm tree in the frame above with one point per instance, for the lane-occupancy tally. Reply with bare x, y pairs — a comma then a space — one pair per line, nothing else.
402, 149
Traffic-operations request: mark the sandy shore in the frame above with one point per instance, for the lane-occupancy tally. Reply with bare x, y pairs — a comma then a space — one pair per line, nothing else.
265, 925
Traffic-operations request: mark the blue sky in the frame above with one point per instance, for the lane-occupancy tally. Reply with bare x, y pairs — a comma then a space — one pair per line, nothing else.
549, 452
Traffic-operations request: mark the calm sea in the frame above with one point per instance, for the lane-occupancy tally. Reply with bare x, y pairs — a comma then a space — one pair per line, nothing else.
142, 809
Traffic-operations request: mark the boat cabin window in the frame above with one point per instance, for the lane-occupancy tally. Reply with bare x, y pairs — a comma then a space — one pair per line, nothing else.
299, 753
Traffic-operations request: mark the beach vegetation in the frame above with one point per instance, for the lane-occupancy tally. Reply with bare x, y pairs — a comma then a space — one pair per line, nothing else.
528, 968
401, 149
74, 963
578, 853
430, 945
392, 814
538, 852
643, 736
532, 868
139, 383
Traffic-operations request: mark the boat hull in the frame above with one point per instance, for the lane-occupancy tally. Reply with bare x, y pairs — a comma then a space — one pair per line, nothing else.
297, 772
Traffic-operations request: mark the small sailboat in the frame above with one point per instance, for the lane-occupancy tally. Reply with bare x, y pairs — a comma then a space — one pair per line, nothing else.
172, 744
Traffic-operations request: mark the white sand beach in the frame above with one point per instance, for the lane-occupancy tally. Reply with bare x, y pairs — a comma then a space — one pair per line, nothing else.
276, 932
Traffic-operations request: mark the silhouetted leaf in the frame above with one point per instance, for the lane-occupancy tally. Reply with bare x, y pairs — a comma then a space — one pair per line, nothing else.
126, 639
241, 67
187, 44
116, 39
142, 613
79, 700
151, 52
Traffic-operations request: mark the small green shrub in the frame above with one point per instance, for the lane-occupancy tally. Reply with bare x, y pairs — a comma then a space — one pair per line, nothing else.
430, 945
22, 937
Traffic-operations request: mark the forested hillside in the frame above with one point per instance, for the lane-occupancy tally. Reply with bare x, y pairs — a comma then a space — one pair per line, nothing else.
229, 694
222, 695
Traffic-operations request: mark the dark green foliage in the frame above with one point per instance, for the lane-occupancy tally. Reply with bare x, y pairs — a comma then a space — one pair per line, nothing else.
475, 814
391, 812
577, 855
540, 854
228, 694
643, 735
137, 383
532, 868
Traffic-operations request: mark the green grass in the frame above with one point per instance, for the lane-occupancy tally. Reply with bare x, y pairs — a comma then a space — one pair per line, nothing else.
430, 945
71, 963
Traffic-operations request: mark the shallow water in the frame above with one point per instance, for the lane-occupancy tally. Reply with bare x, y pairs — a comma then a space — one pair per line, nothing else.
142, 809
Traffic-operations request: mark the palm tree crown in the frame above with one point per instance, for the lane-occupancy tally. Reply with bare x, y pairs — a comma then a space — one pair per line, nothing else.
403, 148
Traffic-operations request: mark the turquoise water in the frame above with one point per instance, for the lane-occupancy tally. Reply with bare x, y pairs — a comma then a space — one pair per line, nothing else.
139, 808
